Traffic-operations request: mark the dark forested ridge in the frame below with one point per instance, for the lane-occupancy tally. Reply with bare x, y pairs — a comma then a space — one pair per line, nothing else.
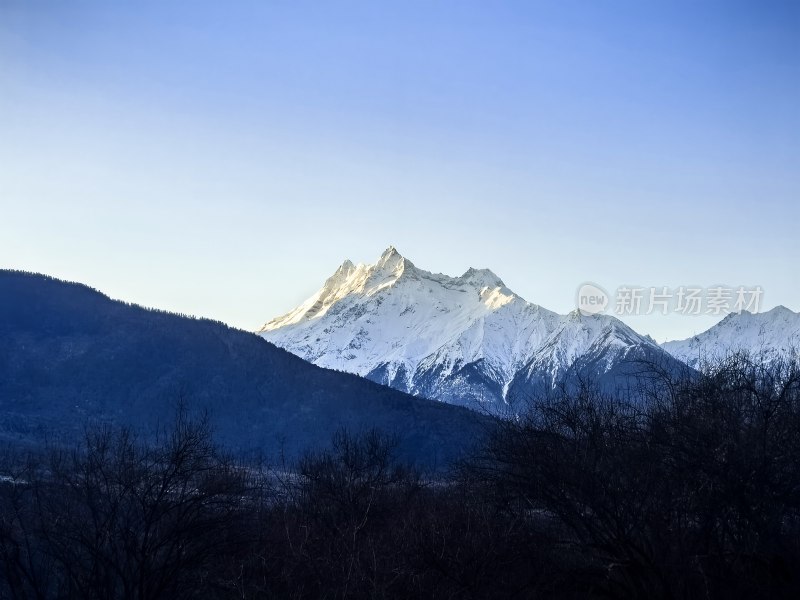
70, 356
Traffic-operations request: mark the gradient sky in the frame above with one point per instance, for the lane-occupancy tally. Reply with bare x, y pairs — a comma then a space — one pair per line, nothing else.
223, 158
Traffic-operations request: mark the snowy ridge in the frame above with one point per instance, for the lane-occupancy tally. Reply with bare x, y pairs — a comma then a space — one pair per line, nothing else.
463, 340
392, 312
769, 334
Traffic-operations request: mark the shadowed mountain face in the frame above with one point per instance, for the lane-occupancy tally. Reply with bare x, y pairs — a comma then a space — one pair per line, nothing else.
466, 340
616, 363
70, 356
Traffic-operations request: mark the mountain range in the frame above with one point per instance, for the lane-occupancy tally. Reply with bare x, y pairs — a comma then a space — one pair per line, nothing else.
466, 340
470, 340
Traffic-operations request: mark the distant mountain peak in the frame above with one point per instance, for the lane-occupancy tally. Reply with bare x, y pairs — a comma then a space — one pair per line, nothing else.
390, 252
391, 262
575, 315
483, 278
344, 271
346, 266
772, 333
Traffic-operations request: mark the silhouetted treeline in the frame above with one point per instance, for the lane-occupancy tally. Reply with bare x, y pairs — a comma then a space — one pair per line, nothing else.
695, 494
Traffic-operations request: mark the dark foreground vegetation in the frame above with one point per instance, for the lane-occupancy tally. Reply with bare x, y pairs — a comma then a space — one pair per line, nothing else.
693, 494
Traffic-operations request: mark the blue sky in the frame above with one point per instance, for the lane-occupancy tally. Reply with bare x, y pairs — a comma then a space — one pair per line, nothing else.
222, 158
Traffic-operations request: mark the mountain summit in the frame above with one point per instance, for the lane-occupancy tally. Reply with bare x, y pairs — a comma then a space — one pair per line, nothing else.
466, 340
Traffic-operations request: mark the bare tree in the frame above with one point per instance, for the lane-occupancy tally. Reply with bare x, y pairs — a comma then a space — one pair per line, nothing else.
118, 518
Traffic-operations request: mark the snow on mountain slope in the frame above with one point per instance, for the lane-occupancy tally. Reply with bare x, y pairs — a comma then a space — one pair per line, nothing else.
458, 339
772, 333
591, 348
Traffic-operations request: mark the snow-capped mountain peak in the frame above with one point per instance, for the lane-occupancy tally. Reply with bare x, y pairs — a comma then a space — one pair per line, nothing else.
483, 278
773, 333
460, 339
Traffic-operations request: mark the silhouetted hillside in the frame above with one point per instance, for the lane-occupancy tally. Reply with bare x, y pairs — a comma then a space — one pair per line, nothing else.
70, 355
